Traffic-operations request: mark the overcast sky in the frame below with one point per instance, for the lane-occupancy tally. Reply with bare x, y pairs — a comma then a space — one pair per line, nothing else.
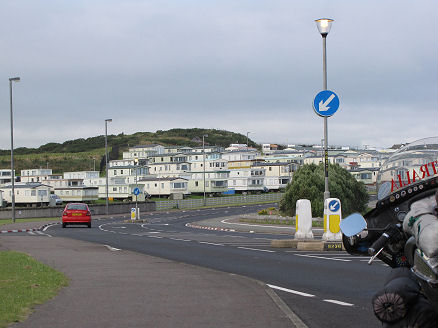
245, 65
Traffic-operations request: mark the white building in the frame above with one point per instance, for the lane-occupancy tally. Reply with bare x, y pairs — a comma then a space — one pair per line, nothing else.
27, 193
5, 176
143, 151
39, 175
81, 175
277, 175
215, 173
155, 186
119, 190
77, 194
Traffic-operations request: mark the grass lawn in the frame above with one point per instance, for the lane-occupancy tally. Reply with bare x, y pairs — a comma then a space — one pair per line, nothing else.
25, 282
315, 224
8, 221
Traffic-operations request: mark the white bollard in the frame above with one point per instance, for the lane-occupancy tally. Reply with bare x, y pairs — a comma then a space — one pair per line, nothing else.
332, 219
303, 219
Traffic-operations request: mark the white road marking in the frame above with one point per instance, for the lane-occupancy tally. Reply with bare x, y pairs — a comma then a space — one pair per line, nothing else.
323, 258
50, 225
31, 233
179, 239
43, 234
154, 237
339, 302
204, 242
153, 232
119, 227
113, 249
256, 249
291, 291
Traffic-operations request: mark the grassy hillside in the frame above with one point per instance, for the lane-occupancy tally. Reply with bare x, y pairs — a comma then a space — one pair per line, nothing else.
78, 154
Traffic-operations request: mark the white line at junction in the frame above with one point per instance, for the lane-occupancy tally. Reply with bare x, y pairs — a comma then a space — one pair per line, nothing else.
338, 302
323, 258
291, 291
256, 249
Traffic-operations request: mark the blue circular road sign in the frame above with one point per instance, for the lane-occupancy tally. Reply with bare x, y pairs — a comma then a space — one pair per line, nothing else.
136, 191
334, 205
326, 103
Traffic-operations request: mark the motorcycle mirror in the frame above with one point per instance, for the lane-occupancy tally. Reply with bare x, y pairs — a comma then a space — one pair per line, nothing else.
353, 224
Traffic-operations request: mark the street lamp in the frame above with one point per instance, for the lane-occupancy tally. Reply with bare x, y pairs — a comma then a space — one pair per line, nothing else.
12, 79
324, 25
106, 160
247, 145
203, 158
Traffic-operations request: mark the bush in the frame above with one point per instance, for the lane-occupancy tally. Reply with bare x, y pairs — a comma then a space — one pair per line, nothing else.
308, 183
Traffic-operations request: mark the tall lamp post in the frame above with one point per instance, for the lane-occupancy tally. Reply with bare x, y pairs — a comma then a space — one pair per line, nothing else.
203, 159
106, 161
247, 145
12, 79
324, 25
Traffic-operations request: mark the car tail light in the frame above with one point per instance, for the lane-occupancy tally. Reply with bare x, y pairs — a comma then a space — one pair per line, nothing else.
88, 213
64, 213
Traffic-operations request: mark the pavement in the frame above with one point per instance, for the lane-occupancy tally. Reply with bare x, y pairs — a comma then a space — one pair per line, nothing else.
119, 288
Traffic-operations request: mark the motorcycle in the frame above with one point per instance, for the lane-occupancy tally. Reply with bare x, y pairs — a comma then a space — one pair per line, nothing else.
402, 231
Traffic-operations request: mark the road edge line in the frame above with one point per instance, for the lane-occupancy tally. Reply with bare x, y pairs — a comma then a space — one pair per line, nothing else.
295, 319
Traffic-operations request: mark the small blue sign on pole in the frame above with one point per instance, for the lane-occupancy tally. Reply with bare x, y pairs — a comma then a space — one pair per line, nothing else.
326, 103
136, 191
334, 205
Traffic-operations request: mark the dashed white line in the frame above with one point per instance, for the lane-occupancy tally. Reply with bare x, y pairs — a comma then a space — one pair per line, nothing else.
291, 291
179, 239
339, 302
323, 258
158, 237
256, 249
204, 242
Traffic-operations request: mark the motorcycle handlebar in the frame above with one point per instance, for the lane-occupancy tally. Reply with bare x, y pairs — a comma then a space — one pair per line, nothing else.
393, 233
378, 244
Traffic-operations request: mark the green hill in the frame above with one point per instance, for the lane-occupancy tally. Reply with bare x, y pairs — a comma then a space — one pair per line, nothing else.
84, 154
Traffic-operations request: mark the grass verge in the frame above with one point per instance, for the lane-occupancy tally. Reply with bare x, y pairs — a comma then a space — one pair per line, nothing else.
8, 221
315, 224
25, 282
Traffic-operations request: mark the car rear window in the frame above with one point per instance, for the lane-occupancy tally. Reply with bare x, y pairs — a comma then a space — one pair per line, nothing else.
77, 207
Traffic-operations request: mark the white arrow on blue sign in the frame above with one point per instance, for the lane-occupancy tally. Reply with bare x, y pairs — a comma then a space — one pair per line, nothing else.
334, 205
326, 103
136, 191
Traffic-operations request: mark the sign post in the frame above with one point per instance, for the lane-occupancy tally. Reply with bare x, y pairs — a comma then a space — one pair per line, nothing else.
325, 104
136, 192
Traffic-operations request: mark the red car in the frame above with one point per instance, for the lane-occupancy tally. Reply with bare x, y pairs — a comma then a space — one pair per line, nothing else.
76, 213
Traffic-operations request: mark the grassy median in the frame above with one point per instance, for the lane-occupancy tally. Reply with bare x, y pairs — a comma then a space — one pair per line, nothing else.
25, 282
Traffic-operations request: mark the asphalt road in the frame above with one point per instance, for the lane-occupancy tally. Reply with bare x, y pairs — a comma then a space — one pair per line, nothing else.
325, 289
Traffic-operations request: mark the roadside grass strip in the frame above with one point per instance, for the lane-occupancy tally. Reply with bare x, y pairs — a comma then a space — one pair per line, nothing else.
24, 283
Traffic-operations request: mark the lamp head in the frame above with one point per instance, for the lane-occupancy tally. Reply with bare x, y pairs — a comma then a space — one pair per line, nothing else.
324, 25
15, 79
109, 120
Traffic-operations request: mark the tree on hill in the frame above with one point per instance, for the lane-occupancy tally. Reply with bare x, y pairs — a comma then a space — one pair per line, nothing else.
308, 183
